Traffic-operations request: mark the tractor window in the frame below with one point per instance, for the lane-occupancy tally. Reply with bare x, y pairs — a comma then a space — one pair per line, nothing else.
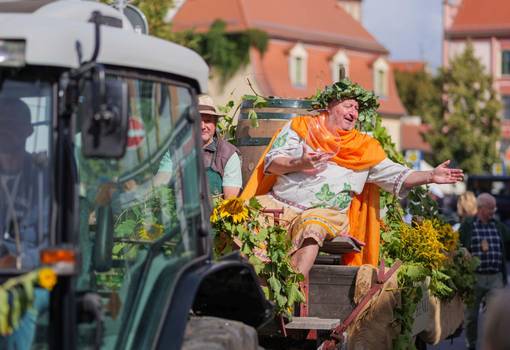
139, 214
25, 117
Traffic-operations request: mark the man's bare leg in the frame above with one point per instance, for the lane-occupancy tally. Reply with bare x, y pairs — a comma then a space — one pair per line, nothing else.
304, 257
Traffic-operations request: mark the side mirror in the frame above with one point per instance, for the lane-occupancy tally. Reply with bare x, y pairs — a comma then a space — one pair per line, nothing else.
103, 245
103, 113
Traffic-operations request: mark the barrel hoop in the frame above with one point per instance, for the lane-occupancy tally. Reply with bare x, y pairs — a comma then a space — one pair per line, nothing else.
253, 141
266, 115
305, 104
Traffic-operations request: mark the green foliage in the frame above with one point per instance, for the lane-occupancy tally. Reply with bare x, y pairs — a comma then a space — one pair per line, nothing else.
411, 279
461, 272
227, 52
226, 126
345, 89
419, 92
470, 116
266, 247
144, 222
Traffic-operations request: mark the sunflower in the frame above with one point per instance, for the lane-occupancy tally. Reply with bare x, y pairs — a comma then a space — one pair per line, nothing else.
215, 215
150, 232
47, 278
235, 209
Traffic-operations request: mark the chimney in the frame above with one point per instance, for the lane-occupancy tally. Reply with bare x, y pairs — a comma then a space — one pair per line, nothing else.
352, 7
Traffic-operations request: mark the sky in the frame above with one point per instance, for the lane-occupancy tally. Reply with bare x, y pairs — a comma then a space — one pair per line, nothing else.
409, 29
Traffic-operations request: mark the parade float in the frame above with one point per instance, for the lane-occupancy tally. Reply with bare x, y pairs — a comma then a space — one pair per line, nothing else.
415, 296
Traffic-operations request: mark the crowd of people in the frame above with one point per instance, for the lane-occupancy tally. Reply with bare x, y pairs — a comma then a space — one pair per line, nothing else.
486, 238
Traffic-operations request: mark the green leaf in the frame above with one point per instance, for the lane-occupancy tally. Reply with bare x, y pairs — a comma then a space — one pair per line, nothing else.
249, 97
274, 284
260, 102
125, 228
252, 116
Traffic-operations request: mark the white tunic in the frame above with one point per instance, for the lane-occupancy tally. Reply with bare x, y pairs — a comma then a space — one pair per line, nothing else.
335, 186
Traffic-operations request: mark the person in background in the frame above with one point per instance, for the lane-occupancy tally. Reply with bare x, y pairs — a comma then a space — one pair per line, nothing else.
24, 210
485, 238
466, 207
221, 159
497, 322
24, 203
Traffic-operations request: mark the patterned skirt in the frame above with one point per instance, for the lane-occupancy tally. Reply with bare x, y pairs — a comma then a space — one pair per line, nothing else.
317, 223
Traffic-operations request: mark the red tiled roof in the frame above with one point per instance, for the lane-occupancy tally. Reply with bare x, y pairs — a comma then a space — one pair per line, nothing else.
321, 25
481, 17
286, 19
273, 66
408, 66
411, 139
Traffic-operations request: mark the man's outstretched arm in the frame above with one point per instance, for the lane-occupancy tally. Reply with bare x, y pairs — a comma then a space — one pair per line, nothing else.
439, 175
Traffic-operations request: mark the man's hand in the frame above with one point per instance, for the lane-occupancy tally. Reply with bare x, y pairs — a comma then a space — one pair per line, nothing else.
444, 175
310, 162
313, 162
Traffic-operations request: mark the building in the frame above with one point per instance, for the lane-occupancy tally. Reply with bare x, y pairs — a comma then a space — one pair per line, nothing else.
409, 66
310, 40
487, 24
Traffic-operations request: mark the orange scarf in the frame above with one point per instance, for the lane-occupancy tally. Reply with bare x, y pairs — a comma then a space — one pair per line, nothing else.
357, 152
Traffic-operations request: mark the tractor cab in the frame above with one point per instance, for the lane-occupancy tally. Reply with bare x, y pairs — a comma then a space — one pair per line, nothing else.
102, 181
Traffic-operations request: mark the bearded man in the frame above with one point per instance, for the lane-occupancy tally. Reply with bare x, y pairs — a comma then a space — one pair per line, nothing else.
325, 173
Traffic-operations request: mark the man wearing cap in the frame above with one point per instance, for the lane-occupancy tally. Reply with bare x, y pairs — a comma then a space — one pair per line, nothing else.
23, 198
325, 173
221, 159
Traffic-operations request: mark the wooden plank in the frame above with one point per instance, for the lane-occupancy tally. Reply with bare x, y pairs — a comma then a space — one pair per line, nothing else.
331, 291
340, 245
331, 310
312, 323
328, 259
327, 294
331, 274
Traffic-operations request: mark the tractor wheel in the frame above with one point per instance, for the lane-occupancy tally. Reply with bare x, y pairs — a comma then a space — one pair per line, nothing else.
214, 333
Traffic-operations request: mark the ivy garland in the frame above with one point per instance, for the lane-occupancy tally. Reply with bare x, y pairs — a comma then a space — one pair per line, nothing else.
346, 89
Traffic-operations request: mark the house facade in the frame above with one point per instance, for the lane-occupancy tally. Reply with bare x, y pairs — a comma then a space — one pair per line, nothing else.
486, 23
309, 42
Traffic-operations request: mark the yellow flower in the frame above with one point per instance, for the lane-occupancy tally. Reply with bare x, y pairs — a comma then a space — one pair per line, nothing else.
235, 209
47, 278
214, 216
150, 232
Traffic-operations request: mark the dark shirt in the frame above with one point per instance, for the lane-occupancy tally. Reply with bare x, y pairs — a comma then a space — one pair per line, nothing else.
490, 260
24, 208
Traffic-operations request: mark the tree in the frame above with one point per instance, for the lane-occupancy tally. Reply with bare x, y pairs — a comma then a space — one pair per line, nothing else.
468, 126
418, 92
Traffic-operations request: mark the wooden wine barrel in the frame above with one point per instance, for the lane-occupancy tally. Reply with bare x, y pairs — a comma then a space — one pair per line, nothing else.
252, 141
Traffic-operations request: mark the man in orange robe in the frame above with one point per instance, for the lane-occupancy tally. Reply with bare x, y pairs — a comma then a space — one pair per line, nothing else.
326, 174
